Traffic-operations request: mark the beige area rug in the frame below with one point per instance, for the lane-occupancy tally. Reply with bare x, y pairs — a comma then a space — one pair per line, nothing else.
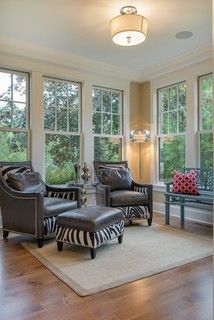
145, 251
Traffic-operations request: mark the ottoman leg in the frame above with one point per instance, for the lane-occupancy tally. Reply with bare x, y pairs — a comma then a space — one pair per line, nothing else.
59, 245
93, 253
120, 238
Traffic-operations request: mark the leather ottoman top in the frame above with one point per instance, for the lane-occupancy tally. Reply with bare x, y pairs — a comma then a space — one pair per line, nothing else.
90, 218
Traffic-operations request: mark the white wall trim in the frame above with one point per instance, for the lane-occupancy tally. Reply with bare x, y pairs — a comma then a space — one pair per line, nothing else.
51, 56
194, 214
66, 59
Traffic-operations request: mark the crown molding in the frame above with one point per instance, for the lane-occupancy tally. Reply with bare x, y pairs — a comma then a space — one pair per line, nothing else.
60, 58
191, 57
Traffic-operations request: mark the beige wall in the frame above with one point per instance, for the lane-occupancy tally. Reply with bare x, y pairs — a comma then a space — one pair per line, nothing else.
140, 119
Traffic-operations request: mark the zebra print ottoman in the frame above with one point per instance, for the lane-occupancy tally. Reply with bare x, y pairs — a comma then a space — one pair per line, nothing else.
89, 227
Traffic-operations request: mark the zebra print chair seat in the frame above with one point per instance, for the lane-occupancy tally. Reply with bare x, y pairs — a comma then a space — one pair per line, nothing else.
33, 213
116, 188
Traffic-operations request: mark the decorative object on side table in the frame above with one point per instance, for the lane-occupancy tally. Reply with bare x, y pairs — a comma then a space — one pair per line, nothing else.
85, 173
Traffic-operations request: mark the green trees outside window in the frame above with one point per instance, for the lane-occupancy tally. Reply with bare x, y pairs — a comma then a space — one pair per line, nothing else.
107, 124
107, 149
172, 127
14, 110
206, 121
61, 124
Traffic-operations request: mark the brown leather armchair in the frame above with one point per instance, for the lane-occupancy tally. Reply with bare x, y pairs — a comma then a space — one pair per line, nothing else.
33, 213
135, 201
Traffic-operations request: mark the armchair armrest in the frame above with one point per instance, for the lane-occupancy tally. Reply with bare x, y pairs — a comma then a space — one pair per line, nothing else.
63, 191
147, 189
21, 211
102, 195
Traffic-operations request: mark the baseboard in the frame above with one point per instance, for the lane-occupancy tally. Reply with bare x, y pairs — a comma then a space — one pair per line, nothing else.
194, 214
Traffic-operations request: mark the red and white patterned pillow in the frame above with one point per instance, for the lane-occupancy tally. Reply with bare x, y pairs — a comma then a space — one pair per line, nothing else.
185, 182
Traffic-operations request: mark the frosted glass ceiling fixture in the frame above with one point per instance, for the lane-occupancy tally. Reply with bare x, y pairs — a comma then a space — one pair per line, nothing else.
129, 28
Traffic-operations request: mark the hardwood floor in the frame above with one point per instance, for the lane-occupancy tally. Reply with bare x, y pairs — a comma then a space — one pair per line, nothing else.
30, 291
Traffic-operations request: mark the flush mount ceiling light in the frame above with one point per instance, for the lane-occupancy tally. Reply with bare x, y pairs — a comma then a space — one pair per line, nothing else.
129, 28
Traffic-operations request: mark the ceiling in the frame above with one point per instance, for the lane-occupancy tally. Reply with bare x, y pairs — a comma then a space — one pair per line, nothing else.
81, 27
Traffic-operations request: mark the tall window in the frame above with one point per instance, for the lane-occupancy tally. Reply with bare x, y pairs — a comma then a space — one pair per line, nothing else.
107, 124
206, 121
171, 129
14, 116
62, 100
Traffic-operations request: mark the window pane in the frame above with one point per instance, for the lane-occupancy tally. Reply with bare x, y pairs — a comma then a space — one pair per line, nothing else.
182, 96
171, 156
61, 152
164, 96
5, 86
19, 115
96, 95
5, 114
206, 102
115, 102
164, 122
97, 122
173, 122
172, 109
13, 146
182, 120
106, 101
107, 149
115, 124
206, 150
73, 95
19, 88
64, 96
173, 98
61, 94
61, 119
49, 119
106, 123
73, 120
49, 93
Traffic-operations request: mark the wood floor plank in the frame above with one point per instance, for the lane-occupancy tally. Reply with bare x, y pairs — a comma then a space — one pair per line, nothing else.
29, 291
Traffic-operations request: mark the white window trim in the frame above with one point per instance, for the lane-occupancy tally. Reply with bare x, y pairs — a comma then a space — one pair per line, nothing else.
121, 114
164, 135
27, 128
189, 74
200, 130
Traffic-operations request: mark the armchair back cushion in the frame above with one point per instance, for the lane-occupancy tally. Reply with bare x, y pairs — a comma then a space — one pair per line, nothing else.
116, 178
27, 182
103, 164
6, 169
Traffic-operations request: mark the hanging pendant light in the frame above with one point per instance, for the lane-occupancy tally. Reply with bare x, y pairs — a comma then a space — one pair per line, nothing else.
129, 28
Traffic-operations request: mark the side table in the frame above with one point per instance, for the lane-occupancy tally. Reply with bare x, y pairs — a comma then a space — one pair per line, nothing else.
83, 193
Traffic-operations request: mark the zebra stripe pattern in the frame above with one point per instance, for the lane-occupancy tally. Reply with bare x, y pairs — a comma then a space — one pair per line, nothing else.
49, 225
89, 239
141, 190
61, 194
135, 212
